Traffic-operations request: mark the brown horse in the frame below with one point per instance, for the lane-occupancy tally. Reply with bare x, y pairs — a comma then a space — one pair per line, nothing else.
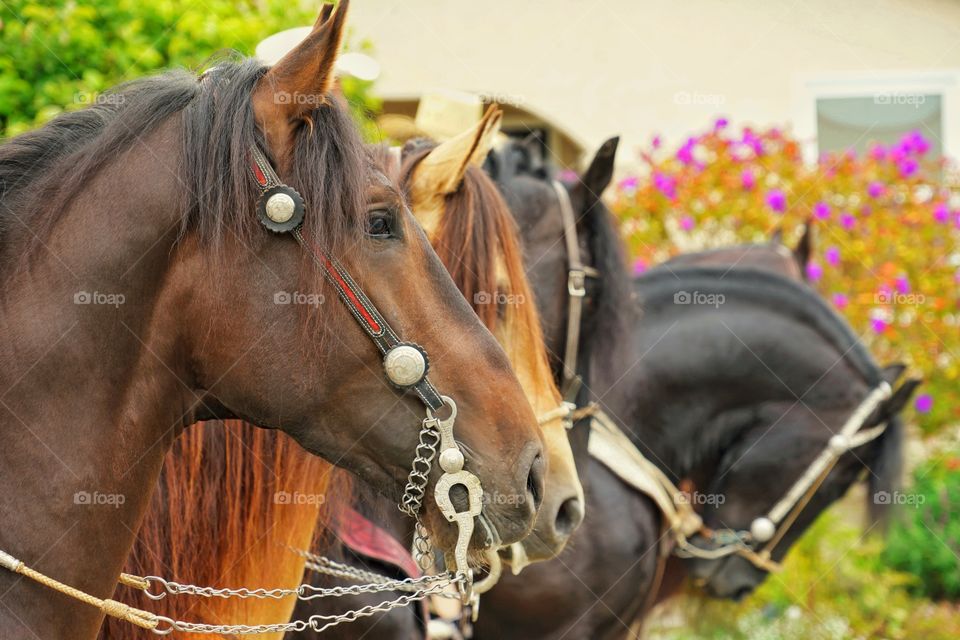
140, 287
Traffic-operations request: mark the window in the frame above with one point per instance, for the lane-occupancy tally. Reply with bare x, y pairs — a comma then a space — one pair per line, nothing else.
855, 122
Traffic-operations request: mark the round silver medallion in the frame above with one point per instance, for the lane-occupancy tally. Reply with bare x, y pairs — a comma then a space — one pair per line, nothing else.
405, 365
762, 529
280, 207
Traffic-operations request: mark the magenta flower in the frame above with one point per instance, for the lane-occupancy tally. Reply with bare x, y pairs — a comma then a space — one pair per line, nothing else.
721, 123
832, 256
753, 141
840, 300
878, 152
667, 185
657, 141
902, 284
908, 167
875, 189
629, 183
748, 180
923, 403
639, 266
941, 213
879, 325
777, 200
848, 221
821, 210
687, 223
814, 271
685, 153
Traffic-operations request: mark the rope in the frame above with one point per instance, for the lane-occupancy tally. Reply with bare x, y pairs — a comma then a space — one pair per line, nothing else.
111, 608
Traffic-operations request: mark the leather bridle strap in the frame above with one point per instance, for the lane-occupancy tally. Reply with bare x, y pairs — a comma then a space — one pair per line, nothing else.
576, 290
367, 315
350, 293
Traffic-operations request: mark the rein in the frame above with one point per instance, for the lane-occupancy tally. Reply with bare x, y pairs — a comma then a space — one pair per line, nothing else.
281, 210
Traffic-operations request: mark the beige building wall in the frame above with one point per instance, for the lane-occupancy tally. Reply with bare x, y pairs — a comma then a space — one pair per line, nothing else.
640, 68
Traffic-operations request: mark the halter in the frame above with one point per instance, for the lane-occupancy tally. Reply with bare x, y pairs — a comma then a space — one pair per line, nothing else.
281, 210
766, 531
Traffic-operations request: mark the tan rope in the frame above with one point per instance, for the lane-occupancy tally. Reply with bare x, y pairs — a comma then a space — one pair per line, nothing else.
110, 607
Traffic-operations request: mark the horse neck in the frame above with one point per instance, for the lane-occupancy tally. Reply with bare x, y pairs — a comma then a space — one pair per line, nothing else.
94, 390
683, 404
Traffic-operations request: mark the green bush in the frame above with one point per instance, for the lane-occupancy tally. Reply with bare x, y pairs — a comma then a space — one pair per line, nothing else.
836, 584
59, 55
925, 539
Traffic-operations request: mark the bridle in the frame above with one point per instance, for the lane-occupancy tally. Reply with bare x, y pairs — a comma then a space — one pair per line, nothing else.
281, 210
406, 366
757, 543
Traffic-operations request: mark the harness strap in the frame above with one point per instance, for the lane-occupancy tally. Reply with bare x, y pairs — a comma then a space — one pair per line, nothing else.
576, 280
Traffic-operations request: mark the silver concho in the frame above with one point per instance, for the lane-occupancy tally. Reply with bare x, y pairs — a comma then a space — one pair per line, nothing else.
762, 529
280, 207
405, 365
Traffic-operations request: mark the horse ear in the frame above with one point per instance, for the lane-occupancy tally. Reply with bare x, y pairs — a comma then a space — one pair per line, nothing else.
600, 172
900, 398
892, 372
286, 95
804, 248
442, 169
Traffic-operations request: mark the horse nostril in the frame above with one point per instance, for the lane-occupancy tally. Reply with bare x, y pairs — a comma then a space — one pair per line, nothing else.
535, 481
569, 517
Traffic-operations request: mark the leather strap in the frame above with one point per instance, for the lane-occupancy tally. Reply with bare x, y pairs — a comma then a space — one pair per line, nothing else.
350, 293
576, 290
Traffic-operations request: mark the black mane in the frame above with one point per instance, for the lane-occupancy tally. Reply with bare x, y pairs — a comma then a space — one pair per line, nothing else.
41, 172
658, 286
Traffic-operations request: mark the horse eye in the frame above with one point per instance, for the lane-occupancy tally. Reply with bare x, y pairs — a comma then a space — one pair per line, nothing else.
380, 224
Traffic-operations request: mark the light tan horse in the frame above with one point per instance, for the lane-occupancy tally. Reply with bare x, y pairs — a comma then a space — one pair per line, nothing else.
473, 232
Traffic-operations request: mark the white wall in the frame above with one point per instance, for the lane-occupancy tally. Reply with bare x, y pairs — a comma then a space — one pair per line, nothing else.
638, 68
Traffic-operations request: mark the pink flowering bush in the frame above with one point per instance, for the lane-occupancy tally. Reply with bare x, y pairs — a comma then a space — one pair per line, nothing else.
886, 229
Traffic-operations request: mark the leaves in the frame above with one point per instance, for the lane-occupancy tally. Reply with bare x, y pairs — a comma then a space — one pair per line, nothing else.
60, 55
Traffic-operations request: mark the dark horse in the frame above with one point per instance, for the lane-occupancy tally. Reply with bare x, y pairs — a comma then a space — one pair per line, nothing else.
139, 298
732, 400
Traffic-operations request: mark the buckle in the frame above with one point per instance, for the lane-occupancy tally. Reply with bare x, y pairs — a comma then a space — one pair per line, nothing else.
576, 279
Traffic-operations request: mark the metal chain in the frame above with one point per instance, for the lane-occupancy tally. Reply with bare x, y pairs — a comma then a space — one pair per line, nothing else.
420, 471
317, 623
